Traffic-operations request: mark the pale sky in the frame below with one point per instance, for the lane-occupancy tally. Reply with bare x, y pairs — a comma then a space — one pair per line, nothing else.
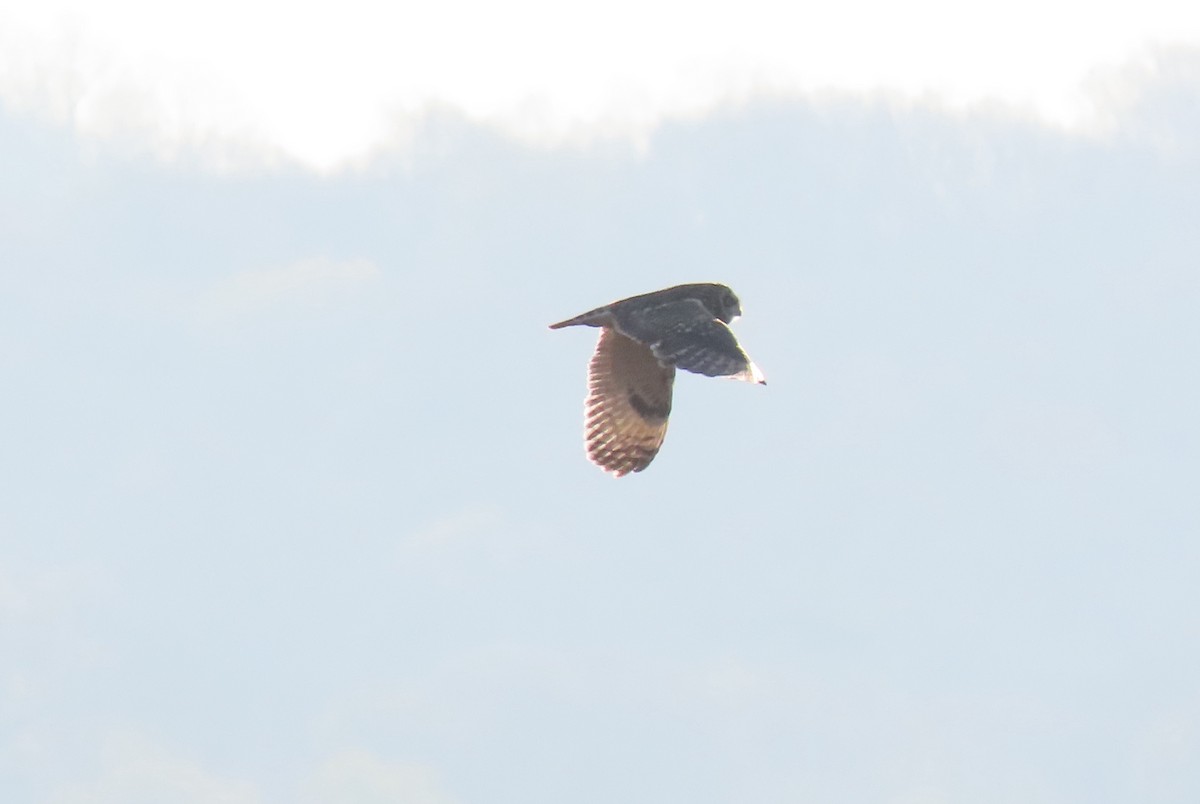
294, 505
327, 83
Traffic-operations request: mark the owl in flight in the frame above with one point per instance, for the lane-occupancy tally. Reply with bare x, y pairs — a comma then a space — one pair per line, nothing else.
643, 339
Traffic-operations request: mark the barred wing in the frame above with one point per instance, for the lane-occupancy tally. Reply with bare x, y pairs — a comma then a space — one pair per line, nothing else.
629, 400
684, 334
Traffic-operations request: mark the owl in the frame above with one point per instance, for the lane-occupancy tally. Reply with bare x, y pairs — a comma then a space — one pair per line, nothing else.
643, 339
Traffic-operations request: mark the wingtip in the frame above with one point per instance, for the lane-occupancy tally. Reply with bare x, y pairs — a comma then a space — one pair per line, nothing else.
750, 375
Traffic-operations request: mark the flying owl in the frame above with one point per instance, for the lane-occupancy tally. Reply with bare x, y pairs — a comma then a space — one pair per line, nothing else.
643, 339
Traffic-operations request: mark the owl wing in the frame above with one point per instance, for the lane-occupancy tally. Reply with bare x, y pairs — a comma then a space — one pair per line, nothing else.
628, 402
684, 334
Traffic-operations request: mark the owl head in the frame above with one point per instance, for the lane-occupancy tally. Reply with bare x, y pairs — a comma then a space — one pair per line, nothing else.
720, 300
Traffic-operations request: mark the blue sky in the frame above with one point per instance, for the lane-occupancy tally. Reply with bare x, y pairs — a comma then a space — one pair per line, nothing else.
297, 509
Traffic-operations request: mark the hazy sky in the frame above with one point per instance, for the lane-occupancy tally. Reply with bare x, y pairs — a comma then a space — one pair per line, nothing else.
329, 82
295, 506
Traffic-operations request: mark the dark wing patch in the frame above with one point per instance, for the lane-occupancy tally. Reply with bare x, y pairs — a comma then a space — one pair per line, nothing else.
629, 400
686, 335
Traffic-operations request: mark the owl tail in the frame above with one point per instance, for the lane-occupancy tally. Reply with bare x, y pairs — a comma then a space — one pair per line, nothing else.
592, 318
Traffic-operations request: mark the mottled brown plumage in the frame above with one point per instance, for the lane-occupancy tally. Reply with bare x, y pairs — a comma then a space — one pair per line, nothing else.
629, 399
